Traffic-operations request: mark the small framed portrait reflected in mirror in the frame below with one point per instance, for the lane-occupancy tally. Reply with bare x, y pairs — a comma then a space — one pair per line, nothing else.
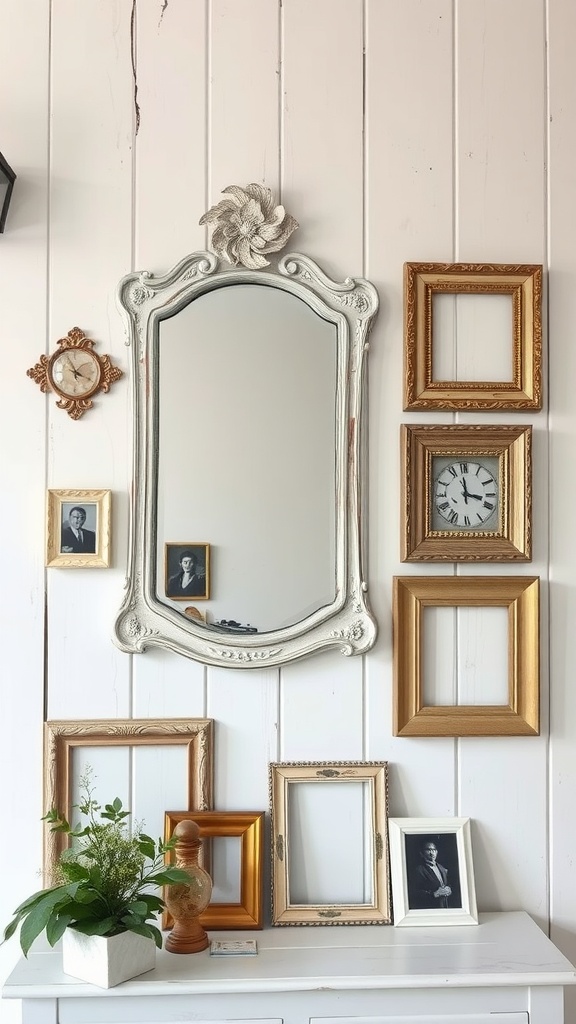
187, 571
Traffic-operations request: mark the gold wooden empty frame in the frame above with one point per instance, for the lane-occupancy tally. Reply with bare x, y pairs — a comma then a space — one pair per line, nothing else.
489, 519
288, 833
248, 826
60, 739
519, 594
524, 284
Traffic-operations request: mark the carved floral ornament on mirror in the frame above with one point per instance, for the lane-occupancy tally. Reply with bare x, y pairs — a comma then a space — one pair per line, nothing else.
268, 355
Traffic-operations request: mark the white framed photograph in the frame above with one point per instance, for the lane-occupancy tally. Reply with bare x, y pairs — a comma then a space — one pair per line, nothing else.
432, 871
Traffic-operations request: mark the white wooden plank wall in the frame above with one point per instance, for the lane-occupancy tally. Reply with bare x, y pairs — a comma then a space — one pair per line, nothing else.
393, 130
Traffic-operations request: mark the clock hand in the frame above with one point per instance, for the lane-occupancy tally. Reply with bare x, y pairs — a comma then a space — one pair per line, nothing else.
464, 490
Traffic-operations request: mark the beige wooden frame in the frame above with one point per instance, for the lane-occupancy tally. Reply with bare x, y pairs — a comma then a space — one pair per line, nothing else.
520, 595
68, 560
284, 775
523, 282
61, 737
512, 445
248, 826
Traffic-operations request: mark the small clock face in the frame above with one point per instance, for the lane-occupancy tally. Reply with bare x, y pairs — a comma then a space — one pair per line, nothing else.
465, 495
75, 372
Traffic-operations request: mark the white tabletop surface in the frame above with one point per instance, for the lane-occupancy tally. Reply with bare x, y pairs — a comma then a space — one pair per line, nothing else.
504, 949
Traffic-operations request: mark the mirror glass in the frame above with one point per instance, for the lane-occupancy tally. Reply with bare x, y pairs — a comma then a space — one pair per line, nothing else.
247, 508
246, 454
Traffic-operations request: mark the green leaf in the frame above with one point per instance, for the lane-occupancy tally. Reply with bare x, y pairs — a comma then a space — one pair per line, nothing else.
37, 897
96, 927
170, 876
149, 931
11, 928
153, 903
75, 872
56, 927
37, 919
147, 847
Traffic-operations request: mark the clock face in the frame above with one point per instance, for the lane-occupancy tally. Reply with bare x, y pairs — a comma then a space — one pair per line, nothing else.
75, 372
465, 495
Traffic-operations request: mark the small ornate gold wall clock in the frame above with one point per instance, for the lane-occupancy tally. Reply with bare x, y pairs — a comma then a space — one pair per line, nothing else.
75, 373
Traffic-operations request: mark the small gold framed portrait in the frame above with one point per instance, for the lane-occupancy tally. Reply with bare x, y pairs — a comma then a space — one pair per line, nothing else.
78, 529
466, 493
451, 311
187, 571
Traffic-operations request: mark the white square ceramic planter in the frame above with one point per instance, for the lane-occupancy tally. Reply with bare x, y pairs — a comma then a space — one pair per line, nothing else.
106, 960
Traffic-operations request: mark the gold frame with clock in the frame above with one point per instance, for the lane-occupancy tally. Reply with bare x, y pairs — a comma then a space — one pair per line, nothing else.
75, 373
520, 716
466, 493
523, 283
91, 550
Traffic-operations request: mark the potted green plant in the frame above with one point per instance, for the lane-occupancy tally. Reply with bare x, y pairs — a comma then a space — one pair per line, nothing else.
102, 907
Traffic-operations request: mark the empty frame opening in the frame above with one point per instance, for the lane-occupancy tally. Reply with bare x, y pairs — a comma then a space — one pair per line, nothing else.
472, 337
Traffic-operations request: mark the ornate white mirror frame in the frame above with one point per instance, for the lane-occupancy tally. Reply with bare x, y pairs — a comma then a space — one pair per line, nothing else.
145, 300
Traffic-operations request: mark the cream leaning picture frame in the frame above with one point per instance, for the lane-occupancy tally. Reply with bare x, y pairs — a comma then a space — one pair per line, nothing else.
78, 529
370, 782
432, 872
520, 716
61, 738
523, 284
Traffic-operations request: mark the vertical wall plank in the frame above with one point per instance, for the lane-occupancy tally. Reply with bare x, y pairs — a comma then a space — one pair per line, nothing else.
409, 179
24, 70
500, 214
90, 243
562, 305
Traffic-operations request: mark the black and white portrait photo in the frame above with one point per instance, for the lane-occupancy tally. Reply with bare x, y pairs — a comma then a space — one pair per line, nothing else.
433, 872
187, 571
78, 528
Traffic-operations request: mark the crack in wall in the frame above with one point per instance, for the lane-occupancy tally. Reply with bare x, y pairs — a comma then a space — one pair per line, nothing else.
133, 56
164, 6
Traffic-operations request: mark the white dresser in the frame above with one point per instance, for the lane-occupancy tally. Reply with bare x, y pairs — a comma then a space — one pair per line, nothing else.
504, 971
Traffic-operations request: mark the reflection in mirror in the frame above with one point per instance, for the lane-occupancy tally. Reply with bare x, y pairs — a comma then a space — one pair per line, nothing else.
248, 373
249, 440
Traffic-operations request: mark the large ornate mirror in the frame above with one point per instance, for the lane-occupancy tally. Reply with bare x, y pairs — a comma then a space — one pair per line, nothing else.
247, 522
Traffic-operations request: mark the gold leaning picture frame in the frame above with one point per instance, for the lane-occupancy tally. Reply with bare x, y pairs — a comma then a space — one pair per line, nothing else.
248, 827
373, 808
523, 283
78, 529
521, 715
61, 738
510, 539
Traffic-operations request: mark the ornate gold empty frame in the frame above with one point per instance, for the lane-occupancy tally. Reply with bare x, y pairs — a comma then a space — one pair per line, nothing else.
248, 827
480, 524
520, 595
75, 373
523, 282
61, 737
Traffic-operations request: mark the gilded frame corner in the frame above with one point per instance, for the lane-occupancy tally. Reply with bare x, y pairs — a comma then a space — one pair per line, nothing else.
57, 555
523, 282
283, 775
61, 737
512, 446
520, 595
248, 826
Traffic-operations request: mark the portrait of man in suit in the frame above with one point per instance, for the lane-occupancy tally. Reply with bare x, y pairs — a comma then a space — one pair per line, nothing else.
75, 536
433, 875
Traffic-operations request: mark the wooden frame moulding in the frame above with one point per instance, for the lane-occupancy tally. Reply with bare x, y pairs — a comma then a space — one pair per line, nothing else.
520, 595
510, 537
248, 826
62, 737
523, 282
